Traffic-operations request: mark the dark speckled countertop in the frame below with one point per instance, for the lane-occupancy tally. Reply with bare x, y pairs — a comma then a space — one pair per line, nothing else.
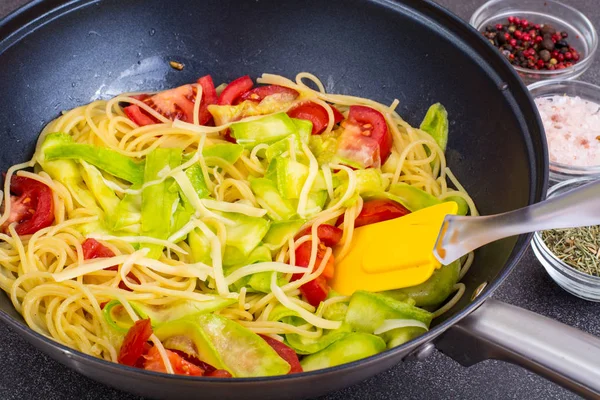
28, 374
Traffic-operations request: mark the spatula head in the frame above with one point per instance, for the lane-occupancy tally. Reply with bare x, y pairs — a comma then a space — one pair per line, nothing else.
392, 254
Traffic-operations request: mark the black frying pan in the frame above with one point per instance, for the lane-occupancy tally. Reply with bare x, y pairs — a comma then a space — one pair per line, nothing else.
58, 54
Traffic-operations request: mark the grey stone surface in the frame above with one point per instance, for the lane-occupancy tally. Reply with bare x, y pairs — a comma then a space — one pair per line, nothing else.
25, 373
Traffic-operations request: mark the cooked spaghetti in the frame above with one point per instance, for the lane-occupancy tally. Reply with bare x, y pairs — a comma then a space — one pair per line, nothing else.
198, 217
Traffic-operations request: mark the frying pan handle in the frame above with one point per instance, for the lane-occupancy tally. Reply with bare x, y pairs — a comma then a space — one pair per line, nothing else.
558, 352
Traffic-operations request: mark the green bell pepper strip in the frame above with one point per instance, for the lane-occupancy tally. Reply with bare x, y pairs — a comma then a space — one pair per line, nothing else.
316, 200
264, 130
281, 312
127, 215
399, 336
436, 124
259, 254
61, 146
336, 311
291, 176
304, 129
303, 345
200, 246
367, 181
194, 173
242, 237
181, 217
229, 152
224, 344
185, 210
283, 145
158, 202
433, 291
246, 232
104, 195
352, 347
367, 311
277, 208
304, 132
281, 231
314, 204
121, 322
414, 198
66, 172
323, 147
463, 206
261, 282
271, 172
233, 257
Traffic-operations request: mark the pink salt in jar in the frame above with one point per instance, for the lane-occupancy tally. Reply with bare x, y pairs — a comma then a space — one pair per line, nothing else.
570, 112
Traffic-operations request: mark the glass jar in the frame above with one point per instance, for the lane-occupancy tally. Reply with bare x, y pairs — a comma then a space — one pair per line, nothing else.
582, 35
573, 281
587, 91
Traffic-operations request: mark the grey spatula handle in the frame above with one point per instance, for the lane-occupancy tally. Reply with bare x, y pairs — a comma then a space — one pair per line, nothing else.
461, 235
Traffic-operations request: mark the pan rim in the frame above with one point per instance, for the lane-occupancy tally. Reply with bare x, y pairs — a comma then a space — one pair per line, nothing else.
21, 21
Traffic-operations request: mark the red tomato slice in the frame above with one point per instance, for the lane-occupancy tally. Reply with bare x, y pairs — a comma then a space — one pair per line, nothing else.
175, 103
130, 276
329, 235
209, 370
259, 93
140, 361
219, 373
227, 136
379, 210
137, 115
209, 96
316, 114
303, 258
285, 352
337, 115
235, 89
94, 249
315, 291
153, 362
366, 139
140, 97
133, 344
31, 207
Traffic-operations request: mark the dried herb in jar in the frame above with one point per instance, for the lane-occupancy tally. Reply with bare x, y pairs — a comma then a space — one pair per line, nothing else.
576, 247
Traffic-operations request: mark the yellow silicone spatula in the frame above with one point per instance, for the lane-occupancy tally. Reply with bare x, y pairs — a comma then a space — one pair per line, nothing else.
392, 254
405, 251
